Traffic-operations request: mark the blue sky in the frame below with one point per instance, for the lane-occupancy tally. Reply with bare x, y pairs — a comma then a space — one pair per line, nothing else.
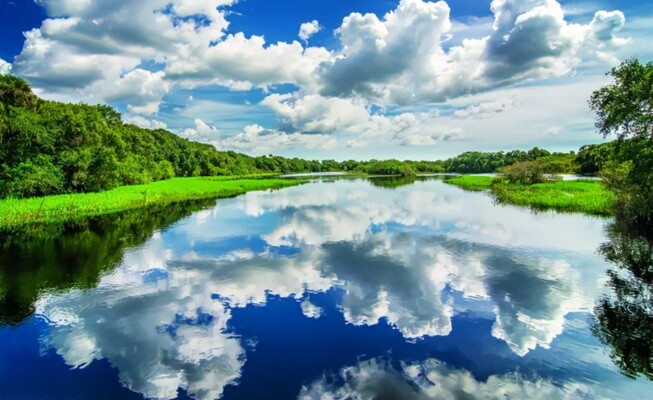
346, 79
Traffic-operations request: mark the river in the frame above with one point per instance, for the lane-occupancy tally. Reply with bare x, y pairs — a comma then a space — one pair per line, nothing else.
340, 287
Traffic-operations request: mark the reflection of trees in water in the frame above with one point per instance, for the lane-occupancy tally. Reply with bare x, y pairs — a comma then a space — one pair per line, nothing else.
625, 316
392, 182
73, 255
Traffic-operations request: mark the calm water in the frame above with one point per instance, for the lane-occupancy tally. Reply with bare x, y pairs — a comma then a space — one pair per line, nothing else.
381, 289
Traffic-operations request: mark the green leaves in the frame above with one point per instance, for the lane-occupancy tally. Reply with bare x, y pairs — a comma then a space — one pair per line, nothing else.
16, 92
625, 108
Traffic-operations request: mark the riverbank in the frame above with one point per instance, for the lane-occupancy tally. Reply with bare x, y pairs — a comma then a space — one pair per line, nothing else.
588, 197
15, 213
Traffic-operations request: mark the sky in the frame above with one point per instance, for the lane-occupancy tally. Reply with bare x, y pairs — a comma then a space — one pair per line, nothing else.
356, 79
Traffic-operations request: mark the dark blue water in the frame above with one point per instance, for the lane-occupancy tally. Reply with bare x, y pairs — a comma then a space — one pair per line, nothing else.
326, 290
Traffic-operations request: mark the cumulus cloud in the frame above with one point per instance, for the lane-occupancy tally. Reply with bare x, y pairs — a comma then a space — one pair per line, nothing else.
431, 379
144, 122
484, 110
350, 118
84, 48
404, 61
308, 29
379, 56
137, 53
310, 310
241, 63
316, 114
202, 132
142, 89
258, 140
5, 67
399, 59
406, 129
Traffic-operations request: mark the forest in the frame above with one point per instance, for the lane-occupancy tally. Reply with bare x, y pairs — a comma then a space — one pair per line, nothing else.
49, 147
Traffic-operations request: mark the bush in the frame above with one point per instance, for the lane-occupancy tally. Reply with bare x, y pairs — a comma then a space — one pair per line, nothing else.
525, 173
36, 177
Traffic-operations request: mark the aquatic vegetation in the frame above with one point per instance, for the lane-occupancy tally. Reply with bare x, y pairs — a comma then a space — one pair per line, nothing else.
589, 197
471, 183
72, 207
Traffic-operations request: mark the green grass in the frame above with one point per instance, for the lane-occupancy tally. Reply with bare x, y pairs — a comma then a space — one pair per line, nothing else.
471, 183
588, 197
15, 213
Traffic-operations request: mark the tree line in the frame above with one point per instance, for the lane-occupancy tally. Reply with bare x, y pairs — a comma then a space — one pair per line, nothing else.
48, 147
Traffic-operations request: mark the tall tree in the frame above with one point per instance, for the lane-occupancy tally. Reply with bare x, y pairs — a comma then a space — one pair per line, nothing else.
625, 109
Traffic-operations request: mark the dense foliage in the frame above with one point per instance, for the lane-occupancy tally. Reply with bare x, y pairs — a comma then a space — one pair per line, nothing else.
526, 173
592, 158
48, 147
481, 162
625, 109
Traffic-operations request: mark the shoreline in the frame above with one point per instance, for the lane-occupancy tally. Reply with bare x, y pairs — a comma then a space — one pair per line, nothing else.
588, 197
17, 213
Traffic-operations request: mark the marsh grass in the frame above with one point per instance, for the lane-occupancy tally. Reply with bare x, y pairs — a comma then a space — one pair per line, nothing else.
588, 197
471, 183
15, 213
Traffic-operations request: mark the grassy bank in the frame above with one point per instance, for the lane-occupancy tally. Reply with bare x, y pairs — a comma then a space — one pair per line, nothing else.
471, 182
589, 197
15, 213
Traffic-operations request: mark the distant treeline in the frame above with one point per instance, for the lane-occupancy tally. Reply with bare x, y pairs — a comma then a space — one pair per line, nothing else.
48, 147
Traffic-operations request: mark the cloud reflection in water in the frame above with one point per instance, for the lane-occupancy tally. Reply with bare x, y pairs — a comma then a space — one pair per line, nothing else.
162, 317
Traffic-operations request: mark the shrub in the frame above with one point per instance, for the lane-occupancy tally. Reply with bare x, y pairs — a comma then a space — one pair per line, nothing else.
526, 173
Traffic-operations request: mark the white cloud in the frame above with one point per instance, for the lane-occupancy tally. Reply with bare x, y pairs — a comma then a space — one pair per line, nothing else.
5, 67
142, 89
484, 110
316, 114
137, 53
378, 56
84, 48
432, 379
350, 119
396, 59
404, 61
144, 122
242, 63
257, 140
310, 310
201, 132
400, 59
308, 29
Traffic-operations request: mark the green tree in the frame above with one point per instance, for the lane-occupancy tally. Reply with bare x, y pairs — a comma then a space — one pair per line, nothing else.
625, 109
526, 173
16, 92
592, 158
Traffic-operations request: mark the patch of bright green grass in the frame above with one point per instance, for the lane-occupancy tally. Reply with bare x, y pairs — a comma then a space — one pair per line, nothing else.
589, 197
471, 182
71, 207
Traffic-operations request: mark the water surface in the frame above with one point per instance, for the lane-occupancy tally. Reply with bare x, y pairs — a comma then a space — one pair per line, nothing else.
335, 288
